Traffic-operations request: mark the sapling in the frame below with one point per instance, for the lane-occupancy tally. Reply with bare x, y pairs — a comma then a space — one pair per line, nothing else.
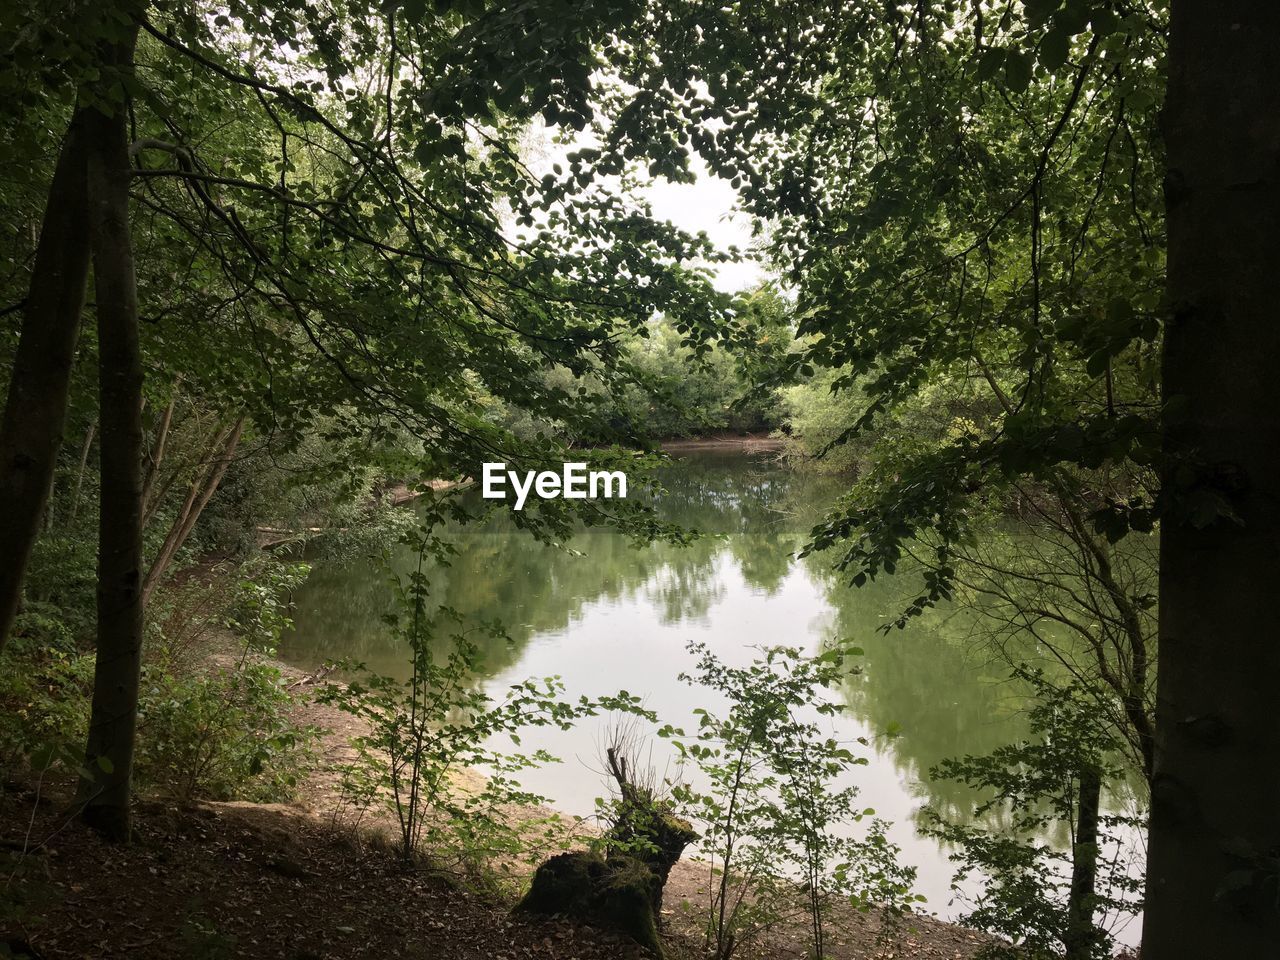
770, 802
1048, 899
425, 731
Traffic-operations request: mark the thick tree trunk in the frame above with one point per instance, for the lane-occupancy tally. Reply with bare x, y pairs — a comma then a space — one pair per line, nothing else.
36, 407
113, 719
1215, 815
1083, 936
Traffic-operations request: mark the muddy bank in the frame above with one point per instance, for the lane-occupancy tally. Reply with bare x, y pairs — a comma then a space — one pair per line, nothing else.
726, 441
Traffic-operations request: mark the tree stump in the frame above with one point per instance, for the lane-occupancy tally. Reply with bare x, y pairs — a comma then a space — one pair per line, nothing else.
615, 894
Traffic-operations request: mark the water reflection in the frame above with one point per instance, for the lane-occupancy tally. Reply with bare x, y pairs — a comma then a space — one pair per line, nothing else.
604, 614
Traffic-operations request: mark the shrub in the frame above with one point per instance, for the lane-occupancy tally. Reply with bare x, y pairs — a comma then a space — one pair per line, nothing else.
45, 686
221, 736
224, 732
1046, 786
440, 721
772, 812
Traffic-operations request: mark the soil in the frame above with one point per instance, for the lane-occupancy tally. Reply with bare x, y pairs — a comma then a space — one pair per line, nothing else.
745, 442
223, 880
248, 880
855, 935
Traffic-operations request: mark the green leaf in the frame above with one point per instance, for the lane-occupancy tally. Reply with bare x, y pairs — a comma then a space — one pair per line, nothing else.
1017, 71
990, 63
1055, 48
1038, 11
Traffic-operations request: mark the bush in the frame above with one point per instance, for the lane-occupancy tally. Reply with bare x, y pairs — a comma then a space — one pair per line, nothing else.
45, 686
772, 812
1050, 785
441, 720
221, 736
223, 733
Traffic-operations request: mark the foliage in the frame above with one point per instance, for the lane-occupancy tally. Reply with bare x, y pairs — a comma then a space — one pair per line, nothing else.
343, 243
426, 733
681, 389
771, 803
224, 730
353, 243
671, 388
260, 611
677, 393
965, 194
1026, 876
45, 684
221, 736
62, 578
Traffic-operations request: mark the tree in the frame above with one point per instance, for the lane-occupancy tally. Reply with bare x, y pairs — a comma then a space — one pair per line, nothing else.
357, 235
113, 721
1214, 855
35, 407
955, 183
1047, 902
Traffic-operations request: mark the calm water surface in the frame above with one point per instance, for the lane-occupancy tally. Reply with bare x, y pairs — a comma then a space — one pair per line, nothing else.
611, 616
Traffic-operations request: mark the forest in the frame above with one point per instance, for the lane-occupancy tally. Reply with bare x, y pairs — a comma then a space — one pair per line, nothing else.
928, 340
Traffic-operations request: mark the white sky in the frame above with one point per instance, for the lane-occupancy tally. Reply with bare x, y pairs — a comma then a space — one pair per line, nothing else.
708, 206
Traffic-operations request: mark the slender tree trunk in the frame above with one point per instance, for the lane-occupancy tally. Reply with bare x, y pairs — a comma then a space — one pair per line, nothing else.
198, 496
156, 457
113, 720
1082, 935
1215, 813
155, 500
36, 408
85, 449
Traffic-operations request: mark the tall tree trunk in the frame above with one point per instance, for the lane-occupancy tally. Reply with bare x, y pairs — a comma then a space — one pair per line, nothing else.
1083, 936
1215, 811
113, 719
36, 408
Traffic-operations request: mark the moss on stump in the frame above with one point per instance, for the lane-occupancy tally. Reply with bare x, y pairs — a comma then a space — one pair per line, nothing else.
615, 894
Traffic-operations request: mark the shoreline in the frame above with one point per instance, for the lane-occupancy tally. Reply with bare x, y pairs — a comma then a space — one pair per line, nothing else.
727, 441
862, 936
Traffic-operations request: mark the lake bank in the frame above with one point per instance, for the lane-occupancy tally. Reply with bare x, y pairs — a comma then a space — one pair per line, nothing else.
856, 935
725, 441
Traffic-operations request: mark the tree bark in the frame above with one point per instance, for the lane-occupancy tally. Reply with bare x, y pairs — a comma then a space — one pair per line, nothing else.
199, 494
85, 449
36, 407
113, 719
1083, 936
1215, 812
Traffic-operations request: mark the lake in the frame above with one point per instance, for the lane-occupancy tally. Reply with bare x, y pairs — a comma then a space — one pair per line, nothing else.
607, 615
